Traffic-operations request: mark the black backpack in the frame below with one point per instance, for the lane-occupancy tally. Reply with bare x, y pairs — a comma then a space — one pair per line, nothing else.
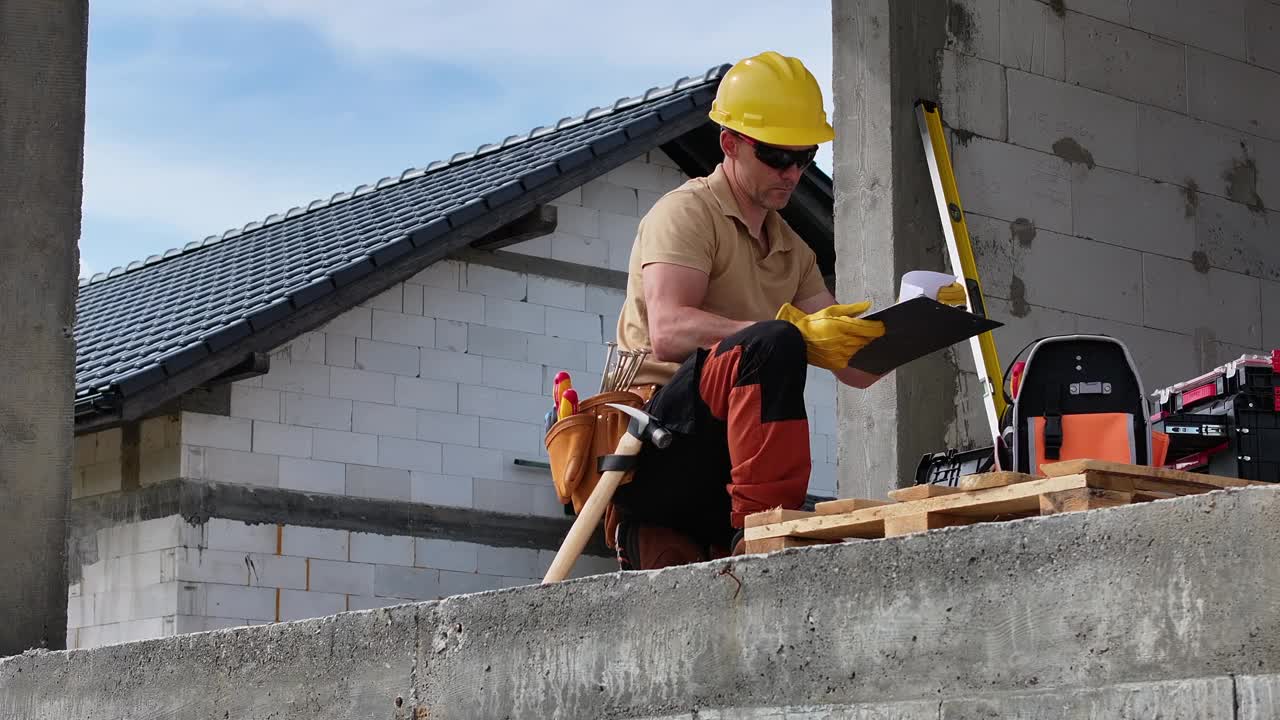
1075, 397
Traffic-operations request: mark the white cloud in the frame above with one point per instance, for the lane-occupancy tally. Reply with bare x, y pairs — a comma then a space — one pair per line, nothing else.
198, 186
496, 31
673, 36
191, 193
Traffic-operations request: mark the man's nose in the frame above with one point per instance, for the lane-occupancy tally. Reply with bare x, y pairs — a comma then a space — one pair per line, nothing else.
792, 173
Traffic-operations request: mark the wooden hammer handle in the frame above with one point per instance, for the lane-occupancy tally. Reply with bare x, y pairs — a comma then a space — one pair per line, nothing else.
592, 510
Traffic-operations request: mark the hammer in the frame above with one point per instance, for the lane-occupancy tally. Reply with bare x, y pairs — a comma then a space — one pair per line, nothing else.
642, 428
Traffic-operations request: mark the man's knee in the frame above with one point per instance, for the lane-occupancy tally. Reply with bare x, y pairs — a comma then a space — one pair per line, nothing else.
780, 342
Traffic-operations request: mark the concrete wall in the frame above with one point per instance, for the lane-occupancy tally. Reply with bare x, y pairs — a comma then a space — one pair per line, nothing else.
1119, 163
42, 117
1115, 162
427, 393
1161, 609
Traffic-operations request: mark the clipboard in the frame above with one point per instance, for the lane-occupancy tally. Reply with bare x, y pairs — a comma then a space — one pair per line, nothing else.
915, 328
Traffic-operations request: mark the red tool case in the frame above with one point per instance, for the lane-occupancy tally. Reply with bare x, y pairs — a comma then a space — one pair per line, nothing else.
1225, 422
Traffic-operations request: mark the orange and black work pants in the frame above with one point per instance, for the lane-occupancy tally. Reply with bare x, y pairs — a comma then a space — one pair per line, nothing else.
740, 445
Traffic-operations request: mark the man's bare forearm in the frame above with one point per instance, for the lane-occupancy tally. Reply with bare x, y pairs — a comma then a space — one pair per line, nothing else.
683, 330
855, 378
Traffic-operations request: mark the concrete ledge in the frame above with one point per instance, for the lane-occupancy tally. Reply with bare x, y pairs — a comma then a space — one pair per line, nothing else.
198, 500
1204, 699
1018, 618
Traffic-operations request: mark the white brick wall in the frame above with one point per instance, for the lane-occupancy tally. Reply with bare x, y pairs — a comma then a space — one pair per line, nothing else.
451, 365
557, 293
385, 549
1131, 194
493, 282
512, 375
277, 571
340, 577
378, 482
386, 357
275, 439
313, 476
374, 387
450, 428
389, 420
300, 605
316, 543
437, 489
397, 327
408, 454
215, 431
227, 574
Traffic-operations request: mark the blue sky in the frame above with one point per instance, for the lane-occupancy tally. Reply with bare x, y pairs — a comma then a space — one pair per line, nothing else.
207, 114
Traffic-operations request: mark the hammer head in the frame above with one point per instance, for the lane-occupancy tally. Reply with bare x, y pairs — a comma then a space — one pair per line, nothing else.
645, 426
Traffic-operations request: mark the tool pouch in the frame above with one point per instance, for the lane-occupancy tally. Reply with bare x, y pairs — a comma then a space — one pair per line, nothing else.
577, 444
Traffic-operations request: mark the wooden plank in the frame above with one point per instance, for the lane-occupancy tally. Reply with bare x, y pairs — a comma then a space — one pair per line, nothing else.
1144, 489
987, 503
1081, 499
1075, 467
774, 544
1149, 488
908, 524
775, 515
999, 478
920, 492
832, 507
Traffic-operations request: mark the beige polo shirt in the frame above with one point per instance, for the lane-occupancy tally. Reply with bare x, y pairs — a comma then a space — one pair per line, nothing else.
699, 225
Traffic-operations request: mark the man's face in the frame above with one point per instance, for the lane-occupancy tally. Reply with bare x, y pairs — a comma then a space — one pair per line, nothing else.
764, 183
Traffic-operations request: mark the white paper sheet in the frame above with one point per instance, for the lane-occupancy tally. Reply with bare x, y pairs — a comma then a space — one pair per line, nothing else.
923, 283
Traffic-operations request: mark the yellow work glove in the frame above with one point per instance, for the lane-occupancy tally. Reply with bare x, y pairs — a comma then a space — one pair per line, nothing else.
952, 294
833, 334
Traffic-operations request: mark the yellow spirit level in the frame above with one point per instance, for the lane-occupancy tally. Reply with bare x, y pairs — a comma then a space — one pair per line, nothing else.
960, 252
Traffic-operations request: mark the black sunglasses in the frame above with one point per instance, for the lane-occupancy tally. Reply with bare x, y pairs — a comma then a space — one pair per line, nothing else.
780, 158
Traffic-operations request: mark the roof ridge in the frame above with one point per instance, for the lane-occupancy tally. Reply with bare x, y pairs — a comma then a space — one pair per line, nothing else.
593, 113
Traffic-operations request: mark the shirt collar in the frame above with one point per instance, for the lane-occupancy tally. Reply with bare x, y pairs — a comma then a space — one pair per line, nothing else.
779, 234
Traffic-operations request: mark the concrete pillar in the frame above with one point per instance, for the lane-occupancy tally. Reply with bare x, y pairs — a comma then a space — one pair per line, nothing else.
885, 56
43, 49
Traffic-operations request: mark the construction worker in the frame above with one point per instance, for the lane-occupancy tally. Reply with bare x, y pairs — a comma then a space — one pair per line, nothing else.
732, 305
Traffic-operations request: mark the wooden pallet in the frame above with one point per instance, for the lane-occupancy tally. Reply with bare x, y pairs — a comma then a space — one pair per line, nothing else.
1069, 486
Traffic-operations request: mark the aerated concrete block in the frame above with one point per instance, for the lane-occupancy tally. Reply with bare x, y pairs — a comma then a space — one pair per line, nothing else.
1124, 62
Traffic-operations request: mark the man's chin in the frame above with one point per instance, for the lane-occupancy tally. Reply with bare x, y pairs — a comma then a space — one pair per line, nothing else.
776, 200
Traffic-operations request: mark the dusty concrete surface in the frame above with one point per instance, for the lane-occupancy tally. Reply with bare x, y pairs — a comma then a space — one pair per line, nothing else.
43, 46
1080, 612
1200, 699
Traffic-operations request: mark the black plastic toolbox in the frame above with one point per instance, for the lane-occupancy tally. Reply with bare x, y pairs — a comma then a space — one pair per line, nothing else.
946, 468
1236, 436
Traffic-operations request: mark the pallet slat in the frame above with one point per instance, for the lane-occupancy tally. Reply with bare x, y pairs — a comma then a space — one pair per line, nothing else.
1022, 497
920, 492
1075, 467
995, 479
834, 507
1069, 486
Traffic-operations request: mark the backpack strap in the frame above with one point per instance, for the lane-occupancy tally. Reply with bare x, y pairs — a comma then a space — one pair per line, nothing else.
1052, 421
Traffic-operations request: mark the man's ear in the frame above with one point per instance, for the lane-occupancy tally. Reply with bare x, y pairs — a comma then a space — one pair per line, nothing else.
729, 144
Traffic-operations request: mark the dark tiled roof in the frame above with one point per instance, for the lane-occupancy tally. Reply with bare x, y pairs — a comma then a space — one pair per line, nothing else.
139, 325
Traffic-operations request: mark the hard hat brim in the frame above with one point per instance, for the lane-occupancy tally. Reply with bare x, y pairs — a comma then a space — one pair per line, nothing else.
775, 135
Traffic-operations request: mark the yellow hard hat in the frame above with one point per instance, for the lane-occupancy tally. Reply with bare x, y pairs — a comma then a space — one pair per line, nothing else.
774, 99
